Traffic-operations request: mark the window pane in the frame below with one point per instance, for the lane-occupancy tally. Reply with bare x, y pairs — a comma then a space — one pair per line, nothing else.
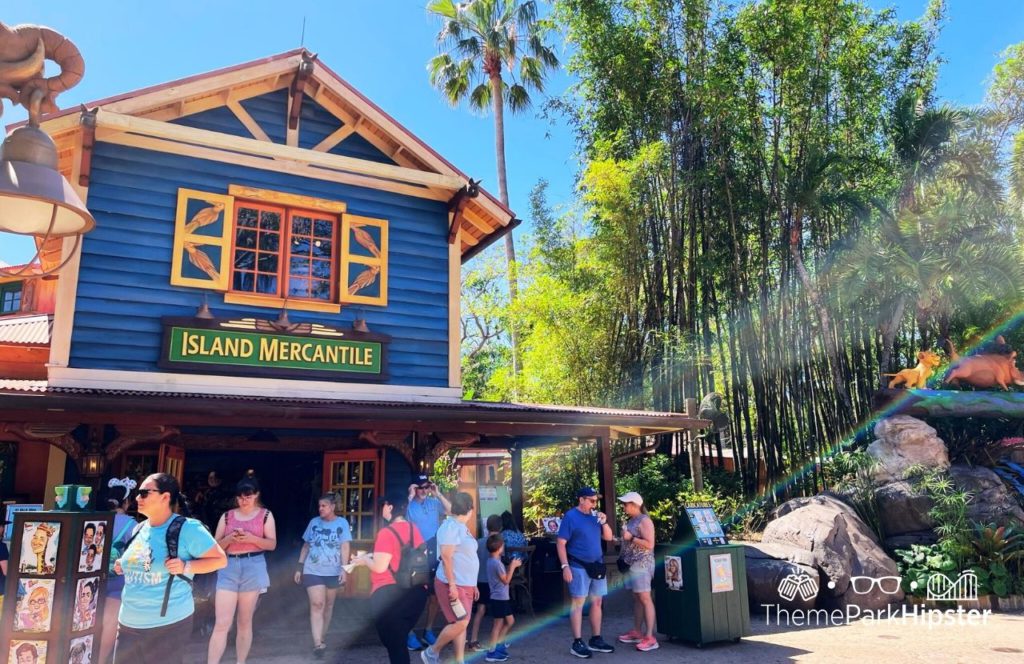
321, 290
247, 217
243, 281
268, 263
266, 284
366, 527
368, 471
301, 225
300, 246
299, 267
322, 248
353, 473
338, 473
323, 228
270, 242
298, 287
245, 260
270, 221
322, 269
246, 239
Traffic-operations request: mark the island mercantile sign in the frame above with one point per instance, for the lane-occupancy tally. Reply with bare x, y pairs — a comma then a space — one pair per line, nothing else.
262, 350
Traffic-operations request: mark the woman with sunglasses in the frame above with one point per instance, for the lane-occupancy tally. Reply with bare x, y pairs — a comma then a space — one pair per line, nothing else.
245, 533
156, 605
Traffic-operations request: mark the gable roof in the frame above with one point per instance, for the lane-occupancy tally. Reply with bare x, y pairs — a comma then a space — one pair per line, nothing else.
150, 111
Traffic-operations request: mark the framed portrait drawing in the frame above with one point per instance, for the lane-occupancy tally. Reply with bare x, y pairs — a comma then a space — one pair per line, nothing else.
674, 572
80, 650
93, 538
27, 652
34, 609
84, 616
39, 554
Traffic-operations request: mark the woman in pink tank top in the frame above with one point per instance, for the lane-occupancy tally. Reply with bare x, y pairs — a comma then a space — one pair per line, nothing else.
245, 533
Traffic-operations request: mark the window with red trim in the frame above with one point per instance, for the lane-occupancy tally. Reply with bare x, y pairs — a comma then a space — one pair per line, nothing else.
285, 252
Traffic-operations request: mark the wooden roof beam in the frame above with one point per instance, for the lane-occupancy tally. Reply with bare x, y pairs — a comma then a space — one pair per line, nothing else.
296, 95
212, 139
457, 206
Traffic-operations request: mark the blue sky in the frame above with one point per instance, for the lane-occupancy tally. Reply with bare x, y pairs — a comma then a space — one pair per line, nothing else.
381, 47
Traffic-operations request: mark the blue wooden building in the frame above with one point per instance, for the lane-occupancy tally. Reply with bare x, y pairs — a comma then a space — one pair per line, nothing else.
272, 287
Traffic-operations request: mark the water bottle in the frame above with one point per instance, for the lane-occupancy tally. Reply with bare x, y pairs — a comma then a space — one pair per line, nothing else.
458, 609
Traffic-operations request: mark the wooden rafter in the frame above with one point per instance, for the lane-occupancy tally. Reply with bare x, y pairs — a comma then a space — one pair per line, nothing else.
88, 142
247, 120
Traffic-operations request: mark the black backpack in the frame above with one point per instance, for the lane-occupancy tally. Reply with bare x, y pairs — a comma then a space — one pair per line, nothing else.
172, 536
413, 562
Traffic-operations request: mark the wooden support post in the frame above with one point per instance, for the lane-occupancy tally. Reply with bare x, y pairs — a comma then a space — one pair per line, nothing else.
696, 472
516, 488
606, 478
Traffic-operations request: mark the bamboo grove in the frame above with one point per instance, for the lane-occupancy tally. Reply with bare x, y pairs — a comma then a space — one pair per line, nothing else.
773, 205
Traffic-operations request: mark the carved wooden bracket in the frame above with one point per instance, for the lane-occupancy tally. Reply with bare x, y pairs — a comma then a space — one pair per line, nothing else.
395, 440
129, 436
444, 441
299, 86
58, 435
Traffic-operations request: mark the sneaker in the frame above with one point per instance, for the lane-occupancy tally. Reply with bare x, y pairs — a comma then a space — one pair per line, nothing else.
578, 648
632, 636
429, 656
598, 644
648, 643
503, 647
476, 646
497, 655
428, 637
412, 643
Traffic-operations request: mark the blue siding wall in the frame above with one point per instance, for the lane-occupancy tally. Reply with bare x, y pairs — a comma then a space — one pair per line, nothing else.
124, 282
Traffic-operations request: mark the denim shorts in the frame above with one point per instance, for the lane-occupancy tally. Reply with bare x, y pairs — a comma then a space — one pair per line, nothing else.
639, 577
582, 585
243, 575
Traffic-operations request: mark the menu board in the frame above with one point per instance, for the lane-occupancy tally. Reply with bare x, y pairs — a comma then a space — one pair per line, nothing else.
706, 525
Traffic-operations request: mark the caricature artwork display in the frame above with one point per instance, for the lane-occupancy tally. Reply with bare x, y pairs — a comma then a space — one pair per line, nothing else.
27, 652
39, 557
80, 651
721, 573
674, 572
85, 604
34, 606
552, 524
93, 537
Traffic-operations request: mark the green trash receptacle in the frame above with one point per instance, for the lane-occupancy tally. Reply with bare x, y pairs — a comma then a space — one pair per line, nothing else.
700, 586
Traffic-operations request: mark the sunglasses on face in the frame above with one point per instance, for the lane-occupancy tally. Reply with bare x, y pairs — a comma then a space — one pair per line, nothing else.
144, 493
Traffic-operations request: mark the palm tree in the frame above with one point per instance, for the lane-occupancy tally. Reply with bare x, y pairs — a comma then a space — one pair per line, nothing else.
483, 42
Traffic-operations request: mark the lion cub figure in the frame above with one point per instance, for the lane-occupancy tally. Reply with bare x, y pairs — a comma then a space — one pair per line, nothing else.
918, 376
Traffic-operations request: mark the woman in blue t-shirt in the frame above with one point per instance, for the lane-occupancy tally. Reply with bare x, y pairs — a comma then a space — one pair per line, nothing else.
156, 608
325, 548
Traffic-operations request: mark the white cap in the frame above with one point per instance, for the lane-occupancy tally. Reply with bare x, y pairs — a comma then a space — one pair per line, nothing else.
632, 497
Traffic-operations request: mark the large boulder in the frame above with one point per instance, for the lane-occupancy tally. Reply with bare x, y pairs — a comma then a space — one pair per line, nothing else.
902, 509
845, 548
905, 441
768, 565
991, 502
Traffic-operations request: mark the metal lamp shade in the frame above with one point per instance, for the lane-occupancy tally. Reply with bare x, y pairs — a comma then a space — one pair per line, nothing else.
33, 192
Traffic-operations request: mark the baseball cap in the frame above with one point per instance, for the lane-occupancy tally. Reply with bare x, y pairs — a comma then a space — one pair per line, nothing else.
422, 480
587, 492
631, 497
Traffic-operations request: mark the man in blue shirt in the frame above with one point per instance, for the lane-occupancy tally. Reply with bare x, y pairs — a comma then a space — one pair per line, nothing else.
427, 508
579, 545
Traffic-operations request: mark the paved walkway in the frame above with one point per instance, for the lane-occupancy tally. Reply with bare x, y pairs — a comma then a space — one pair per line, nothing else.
283, 638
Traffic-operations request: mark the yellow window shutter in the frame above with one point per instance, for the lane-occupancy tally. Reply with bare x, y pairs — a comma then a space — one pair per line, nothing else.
364, 260
203, 231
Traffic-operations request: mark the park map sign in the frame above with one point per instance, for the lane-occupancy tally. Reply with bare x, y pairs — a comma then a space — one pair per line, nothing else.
260, 348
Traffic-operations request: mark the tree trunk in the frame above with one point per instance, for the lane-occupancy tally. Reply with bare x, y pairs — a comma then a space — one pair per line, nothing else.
498, 105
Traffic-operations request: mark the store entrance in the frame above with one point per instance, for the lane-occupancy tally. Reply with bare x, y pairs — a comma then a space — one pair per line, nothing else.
289, 486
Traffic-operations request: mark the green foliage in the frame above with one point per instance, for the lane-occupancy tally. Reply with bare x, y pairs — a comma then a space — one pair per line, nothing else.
446, 472
998, 552
949, 512
551, 478
849, 474
919, 562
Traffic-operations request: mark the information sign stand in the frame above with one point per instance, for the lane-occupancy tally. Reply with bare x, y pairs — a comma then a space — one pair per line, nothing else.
700, 583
